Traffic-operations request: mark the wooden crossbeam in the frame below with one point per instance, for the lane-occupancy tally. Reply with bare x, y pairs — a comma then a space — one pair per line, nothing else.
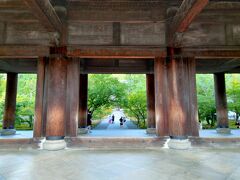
125, 52
111, 52
210, 53
45, 13
23, 51
187, 12
116, 52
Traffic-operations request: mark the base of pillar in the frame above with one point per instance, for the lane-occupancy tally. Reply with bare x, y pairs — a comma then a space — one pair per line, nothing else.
223, 131
151, 130
7, 132
83, 130
180, 144
54, 145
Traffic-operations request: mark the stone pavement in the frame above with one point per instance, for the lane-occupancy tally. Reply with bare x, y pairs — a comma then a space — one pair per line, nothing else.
124, 132
136, 133
104, 124
120, 165
212, 133
19, 135
106, 129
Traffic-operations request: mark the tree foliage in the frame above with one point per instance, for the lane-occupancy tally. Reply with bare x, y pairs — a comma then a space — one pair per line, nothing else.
104, 91
26, 91
135, 104
136, 107
2, 93
233, 93
124, 91
26, 99
206, 99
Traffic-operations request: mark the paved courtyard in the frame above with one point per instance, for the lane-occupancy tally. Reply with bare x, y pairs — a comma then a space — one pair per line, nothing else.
120, 165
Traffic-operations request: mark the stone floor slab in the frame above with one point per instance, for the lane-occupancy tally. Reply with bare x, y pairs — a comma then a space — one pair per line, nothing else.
117, 165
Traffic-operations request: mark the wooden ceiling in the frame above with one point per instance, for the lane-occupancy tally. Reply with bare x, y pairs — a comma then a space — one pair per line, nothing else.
206, 29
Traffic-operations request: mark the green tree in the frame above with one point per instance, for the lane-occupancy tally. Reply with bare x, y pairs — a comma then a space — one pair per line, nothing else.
135, 98
2, 94
233, 93
206, 100
26, 99
104, 91
136, 107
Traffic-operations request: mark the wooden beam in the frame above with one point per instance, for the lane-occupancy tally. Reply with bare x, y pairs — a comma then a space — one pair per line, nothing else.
117, 70
116, 52
211, 53
10, 3
45, 13
16, 16
187, 12
23, 51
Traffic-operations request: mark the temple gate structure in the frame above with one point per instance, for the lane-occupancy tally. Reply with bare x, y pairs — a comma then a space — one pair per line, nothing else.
169, 41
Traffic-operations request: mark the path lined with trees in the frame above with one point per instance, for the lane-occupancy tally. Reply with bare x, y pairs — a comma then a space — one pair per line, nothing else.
104, 124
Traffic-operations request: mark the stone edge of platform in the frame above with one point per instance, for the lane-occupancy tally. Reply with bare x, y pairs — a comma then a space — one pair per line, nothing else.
21, 143
120, 143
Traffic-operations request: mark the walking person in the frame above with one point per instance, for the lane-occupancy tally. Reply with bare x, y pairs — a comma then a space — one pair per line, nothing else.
113, 117
121, 122
89, 121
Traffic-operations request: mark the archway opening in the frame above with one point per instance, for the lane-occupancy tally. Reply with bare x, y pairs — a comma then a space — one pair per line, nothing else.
117, 104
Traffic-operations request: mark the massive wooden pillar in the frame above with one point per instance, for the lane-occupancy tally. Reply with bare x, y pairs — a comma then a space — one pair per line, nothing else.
73, 72
150, 101
39, 108
182, 109
161, 94
221, 100
55, 125
83, 98
193, 122
45, 98
10, 101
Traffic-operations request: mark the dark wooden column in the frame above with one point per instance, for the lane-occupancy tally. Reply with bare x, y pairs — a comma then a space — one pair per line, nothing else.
38, 120
161, 94
56, 95
150, 100
73, 72
182, 93
45, 98
83, 98
221, 100
10, 101
193, 122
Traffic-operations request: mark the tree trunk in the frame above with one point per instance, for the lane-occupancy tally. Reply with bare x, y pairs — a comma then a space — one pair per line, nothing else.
208, 122
237, 116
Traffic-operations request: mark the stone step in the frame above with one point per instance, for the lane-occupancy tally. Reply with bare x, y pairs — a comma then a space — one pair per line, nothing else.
19, 143
210, 142
119, 143
116, 142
